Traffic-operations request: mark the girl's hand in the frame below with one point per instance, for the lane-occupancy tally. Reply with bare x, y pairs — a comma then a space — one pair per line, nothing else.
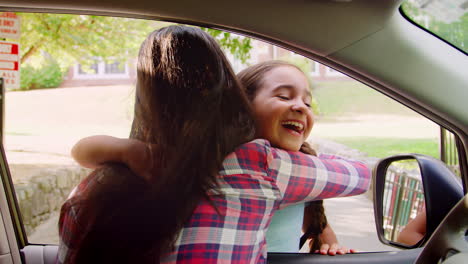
334, 249
330, 245
138, 157
95, 151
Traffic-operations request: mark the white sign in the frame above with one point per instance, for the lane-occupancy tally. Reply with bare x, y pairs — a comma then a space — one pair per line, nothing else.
9, 64
9, 25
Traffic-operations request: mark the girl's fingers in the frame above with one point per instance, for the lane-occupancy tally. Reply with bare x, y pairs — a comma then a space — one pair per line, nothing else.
333, 249
342, 250
324, 249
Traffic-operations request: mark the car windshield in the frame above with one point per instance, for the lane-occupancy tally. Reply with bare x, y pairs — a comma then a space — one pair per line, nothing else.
447, 19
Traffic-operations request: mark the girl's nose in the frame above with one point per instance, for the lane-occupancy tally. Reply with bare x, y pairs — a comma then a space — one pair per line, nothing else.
299, 107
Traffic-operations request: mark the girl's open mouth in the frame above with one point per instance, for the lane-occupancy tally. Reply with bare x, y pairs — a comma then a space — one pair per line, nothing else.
295, 126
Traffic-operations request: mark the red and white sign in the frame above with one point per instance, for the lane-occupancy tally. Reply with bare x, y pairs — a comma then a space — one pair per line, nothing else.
9, 64
9, 25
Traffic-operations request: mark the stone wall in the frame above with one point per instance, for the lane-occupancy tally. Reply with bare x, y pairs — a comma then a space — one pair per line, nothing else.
45, 191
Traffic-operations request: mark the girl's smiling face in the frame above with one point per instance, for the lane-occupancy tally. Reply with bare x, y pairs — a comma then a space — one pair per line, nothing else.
282, 108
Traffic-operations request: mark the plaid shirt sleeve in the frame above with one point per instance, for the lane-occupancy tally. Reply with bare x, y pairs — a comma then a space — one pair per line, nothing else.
301, 177
70, 230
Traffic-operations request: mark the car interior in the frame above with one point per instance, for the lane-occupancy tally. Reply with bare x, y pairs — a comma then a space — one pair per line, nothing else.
370, 41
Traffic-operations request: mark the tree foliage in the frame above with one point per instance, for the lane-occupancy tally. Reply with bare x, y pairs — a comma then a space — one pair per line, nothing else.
455, 32
71, 38
48, 75
236, 45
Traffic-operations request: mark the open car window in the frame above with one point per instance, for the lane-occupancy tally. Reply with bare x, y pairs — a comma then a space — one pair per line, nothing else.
75, 82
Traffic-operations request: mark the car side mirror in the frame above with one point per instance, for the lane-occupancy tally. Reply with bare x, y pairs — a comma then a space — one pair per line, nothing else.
412, 194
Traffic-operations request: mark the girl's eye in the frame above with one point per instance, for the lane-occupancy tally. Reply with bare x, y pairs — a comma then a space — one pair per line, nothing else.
308, 105
283, 97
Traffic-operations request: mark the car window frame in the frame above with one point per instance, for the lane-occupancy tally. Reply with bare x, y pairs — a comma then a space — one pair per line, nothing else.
329, 62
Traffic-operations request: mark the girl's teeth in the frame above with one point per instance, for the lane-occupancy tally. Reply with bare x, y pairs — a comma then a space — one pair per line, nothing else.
300, 126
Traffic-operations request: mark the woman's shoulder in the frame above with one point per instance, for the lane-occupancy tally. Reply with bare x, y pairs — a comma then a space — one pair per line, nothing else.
252, 155
264, 148
113, 176
254, 147
256, 143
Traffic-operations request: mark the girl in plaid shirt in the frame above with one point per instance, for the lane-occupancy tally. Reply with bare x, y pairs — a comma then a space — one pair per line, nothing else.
229, 219
284, 232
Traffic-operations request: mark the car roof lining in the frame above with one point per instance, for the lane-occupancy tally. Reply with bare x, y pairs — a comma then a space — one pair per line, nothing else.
280, 26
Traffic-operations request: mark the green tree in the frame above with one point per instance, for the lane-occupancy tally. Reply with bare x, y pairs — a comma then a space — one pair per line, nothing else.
236, 45
71, 38
454, 32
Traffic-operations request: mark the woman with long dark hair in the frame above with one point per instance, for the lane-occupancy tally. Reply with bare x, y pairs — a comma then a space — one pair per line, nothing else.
189, 104
211, 192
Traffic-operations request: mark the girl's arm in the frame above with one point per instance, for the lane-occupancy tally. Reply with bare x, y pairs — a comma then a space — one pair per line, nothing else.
93, 152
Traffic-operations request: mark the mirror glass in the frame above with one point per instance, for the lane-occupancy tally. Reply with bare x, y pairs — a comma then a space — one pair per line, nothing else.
404, 210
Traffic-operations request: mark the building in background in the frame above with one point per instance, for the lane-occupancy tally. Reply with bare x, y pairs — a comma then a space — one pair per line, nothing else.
113, 73
101, 73
262, 51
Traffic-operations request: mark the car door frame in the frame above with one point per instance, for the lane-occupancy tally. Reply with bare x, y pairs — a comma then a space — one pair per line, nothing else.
11, 235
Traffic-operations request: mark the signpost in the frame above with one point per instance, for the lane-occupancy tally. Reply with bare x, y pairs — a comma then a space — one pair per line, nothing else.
9, 64
9, 51
9, 60
9, 25
2, 110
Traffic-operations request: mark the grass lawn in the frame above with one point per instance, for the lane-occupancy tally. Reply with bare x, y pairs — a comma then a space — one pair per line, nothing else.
384, 147
339, 98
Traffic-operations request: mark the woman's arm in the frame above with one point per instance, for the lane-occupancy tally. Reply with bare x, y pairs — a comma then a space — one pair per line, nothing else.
301, 177
92, 152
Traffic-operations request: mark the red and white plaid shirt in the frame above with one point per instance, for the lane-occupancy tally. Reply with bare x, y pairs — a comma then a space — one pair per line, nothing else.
254, 182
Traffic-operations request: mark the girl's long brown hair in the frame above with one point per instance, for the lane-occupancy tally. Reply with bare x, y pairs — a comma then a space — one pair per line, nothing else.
314, 213
189, 105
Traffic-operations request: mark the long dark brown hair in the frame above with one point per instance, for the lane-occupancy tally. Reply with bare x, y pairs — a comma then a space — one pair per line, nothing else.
190, 106
314, 213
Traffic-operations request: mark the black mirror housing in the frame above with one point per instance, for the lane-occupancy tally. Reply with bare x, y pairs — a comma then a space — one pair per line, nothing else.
441, 188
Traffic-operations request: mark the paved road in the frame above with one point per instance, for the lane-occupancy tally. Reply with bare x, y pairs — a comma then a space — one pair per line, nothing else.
352, 218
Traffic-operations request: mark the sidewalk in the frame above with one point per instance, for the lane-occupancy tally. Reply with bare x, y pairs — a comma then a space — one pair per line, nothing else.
352, 219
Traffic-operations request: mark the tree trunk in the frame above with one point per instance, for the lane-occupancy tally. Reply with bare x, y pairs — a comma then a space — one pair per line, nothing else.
33, 49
